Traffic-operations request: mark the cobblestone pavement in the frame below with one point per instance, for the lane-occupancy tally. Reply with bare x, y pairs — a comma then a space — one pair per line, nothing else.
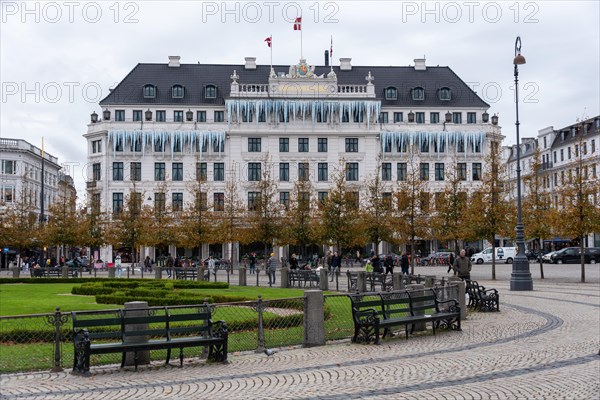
544, 344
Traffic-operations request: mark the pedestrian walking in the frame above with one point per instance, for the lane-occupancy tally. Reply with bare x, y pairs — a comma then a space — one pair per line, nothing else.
252, 260
389, 264
404, 263
271, 269
451, 262
118, 267
462, 266
170, 265
336, 264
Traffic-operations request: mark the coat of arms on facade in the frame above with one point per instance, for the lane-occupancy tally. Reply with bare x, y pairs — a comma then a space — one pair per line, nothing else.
301, 70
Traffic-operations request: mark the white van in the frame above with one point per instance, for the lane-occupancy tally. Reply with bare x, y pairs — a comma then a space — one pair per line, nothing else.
506, 254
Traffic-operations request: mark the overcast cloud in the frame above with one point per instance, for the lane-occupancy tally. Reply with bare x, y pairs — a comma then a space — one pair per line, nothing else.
58, 59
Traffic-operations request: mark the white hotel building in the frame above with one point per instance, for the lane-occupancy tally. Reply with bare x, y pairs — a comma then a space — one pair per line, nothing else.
165, 124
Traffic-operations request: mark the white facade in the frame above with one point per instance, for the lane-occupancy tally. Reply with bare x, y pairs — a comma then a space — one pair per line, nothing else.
291, 116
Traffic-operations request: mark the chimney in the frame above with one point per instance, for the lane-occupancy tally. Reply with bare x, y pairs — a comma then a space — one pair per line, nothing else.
174, 61
345, 64
327, 58
420, 64
250, 63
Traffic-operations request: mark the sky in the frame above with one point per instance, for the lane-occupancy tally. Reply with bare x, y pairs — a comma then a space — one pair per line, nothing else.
58, 59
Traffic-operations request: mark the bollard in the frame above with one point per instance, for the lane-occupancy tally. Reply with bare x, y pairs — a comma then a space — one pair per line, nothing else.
429, 281
416, 290
136, 309
157, 272
132, 269
16, 272
257, 275
65, 272
199, 273
285, 278
361, 281
242, 276
111, 272
462, 289
261, 333
397, 282
323, 279
202, 274
127, 271
314, 320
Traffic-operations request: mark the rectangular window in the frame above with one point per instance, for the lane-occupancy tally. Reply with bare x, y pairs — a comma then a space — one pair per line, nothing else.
136, 171
303, 145
253, 198
218, 146
219, 116
594, 145
351, 171
262, 116
322, 197
177, 171
462, 171
117, 202
477, 146
119, 143
247, 117
434, 118
177, 201
425, 145
96, 203
387, 146
460, 146
345, 116
137, 115
284, 145
383, 118
322, 172
117, 171
545, 142
254, 145
471, 118
161, 116
584, 148
424, 171
562, 154
136, 145
351, 145
201, 116
457, 118
569, 152
386, 199
97, 146
284, 199
177, 145
577, 150
401, 171
219, 172
439, 171
178, 116
119, 115
219, 202
254, 172
303, 171
322, 145
358, 116
159, 171
96, 175
284, 172
402, 146
386, 171
398, 117
201, 171
555, 157
420, 117
439, 146
555, 179
159, 146
476, 171
159, 201
202, 201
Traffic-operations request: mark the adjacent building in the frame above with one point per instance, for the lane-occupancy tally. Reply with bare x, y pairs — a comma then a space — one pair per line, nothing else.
166, 125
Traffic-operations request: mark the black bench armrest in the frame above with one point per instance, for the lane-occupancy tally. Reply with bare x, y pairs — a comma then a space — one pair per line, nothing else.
454, 307
221, 329
485, 291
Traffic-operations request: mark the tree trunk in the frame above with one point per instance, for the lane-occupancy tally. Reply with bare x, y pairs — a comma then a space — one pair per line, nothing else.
541, 263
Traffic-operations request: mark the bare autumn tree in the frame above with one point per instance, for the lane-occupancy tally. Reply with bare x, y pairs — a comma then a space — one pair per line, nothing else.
64, 226
194, 225
579, 199
299, 216
451, 208
93, 223
412, 218
158, 226
125, 228
229, 219
537, 213
490, 211
264, 217
376, 211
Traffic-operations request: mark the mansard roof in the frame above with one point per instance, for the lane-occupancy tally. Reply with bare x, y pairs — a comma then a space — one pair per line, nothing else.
195, 77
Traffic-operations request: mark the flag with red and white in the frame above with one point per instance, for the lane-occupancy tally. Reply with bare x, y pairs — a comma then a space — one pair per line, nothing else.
331, 48
268, 40
298, 24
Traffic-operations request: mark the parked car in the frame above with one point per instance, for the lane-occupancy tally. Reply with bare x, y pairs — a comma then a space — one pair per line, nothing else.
571, 255
505, 254
546, 258
437, 258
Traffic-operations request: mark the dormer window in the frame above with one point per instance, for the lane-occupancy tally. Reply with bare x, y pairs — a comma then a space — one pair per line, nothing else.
391, 93
177, 92
418, 93
210, 92
149, 91
445, 94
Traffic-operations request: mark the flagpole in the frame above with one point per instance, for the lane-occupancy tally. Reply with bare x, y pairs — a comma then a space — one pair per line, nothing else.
271, 47
301, 52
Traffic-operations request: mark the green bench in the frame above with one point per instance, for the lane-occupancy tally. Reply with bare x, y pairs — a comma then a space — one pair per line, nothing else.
372, 312
482, 299
159, 328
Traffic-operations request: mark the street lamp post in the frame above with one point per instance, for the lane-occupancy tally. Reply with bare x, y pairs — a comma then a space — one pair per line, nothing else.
520, 279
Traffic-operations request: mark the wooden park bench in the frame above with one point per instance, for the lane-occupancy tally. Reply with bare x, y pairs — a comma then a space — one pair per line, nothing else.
482, 299
177, 327
186, 273
300, 278
51, 272
372, 312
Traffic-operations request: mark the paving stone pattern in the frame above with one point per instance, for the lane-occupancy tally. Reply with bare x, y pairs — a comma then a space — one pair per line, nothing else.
543, 344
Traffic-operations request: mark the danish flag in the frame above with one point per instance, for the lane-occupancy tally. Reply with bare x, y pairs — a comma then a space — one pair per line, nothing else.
268, 40
298, 24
